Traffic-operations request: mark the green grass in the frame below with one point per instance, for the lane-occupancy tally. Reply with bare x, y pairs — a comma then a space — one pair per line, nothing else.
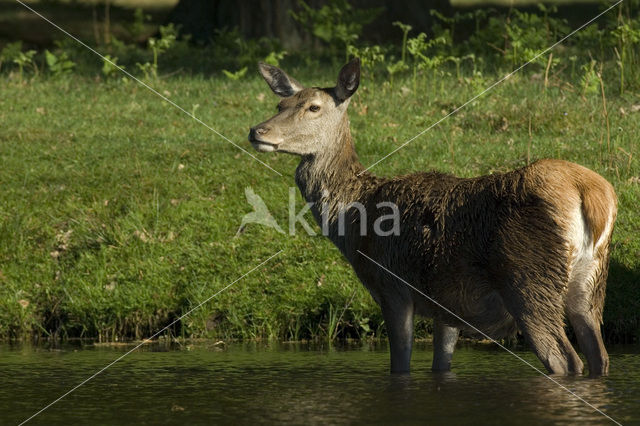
118, 213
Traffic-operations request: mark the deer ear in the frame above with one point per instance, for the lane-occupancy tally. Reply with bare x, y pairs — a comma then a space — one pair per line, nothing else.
348, 80
281, 84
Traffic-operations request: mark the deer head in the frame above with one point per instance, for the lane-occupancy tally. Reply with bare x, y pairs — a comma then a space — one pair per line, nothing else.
309, 120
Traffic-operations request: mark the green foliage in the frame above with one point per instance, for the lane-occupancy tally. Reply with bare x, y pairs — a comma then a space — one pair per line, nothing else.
516, 38
626, 37
419, 48
526, 37
590, 39
425, 53
501, 41
137, 26
337, 23
405, 32
235, 75
457, 60
109, 66
395, 68
240, 51
274, 58
25, 60
477, 82
370, 57
111, 70
148, 70
10, 52
489, 39
13, 53
168, 36
589, 81
158, 46
400, 66
60, 64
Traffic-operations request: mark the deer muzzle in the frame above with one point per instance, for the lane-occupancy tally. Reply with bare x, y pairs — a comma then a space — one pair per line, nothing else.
259, 138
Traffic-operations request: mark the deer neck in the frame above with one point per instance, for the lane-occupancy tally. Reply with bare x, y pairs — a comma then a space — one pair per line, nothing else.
334, 177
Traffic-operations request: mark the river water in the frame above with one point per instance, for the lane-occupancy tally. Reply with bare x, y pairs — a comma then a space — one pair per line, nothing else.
348, 383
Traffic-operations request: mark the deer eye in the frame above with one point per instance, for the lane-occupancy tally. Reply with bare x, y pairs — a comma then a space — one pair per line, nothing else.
279, 108
314, 108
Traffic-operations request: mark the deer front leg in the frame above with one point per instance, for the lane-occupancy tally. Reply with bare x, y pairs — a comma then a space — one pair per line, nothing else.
398, 318
444, 343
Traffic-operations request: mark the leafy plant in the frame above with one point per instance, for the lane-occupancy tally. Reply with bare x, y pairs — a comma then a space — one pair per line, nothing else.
626, 36
136, 28
59, 64
401, 65
148, 70
419, 48
337, 23
445, 26
243, 51
370, 56
25, 59
589, 81
235, 75
477, 81
168, 36
10, 52
395, 68
274, 58
448, 21
489, 39
405, 32
526, 36
110, 68
555, 27
592, 39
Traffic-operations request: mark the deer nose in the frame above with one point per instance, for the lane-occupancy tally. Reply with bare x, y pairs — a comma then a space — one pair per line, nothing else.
257, 131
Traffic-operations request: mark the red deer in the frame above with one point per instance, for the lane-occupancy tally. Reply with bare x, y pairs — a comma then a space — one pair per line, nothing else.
521, 250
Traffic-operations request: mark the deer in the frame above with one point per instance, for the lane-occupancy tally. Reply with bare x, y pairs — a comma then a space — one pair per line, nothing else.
520, 251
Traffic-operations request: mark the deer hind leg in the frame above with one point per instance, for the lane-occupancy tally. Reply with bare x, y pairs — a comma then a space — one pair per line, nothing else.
540, 318
444, 343
584, 309
587, 285
587, 330
552, 347
398, 318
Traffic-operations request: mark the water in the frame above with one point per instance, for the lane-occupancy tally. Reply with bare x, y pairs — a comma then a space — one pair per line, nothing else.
303, 384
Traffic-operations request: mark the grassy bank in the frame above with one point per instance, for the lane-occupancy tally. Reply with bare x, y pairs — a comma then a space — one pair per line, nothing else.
118, 213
